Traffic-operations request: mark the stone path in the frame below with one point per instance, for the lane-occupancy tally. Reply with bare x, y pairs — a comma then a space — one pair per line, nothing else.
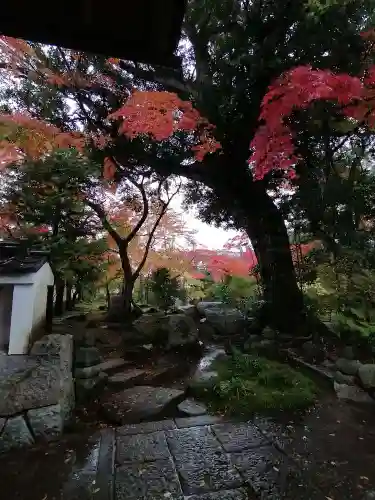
193, 458
328, 455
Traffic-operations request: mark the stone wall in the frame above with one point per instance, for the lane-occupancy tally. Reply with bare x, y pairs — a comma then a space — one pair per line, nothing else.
36, 392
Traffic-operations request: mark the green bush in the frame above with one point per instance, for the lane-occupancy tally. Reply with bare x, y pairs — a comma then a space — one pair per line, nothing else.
164, 288
248, 384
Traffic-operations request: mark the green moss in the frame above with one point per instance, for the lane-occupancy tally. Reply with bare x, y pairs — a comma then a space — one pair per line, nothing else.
249, 384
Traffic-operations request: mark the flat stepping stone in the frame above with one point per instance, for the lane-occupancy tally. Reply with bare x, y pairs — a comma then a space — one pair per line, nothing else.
106, 366
126, 379
197, 421
139, 403
146, 427
192, 408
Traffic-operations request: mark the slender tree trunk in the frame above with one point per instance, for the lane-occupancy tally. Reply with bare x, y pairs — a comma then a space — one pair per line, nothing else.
69, 297
128, 299
107, 296
128, 285
59, 299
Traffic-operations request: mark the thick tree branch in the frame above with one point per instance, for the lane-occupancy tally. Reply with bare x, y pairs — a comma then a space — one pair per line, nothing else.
98, 209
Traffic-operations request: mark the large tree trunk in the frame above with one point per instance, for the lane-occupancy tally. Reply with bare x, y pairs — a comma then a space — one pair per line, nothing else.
284, 307
252, 209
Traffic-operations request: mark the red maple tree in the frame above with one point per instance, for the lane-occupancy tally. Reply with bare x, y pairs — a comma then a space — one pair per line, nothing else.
273, 145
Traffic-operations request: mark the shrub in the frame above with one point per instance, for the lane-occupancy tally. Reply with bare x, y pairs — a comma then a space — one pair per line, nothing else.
164, 288
249, 384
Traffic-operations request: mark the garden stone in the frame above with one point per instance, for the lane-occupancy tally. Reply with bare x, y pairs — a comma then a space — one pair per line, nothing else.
348, 366
151, 328
341, 378
16, 434
203, 306
92, 371
226, 321
192, 408
348, 352
366, 374
46, 422
125, 379
203, 380
41, 386
87, 356
182, 330
352, 393
139, 403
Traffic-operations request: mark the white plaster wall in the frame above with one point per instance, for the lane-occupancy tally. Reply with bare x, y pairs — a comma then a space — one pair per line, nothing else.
22, 319
29, 308
6, 296
40, 303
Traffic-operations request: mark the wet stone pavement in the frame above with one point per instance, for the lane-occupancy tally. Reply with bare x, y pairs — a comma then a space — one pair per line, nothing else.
199, 458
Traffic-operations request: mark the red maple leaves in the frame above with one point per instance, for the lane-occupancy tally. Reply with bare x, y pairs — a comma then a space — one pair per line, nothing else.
272, 145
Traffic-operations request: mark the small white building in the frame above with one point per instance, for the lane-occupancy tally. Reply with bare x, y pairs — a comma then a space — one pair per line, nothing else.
24, 283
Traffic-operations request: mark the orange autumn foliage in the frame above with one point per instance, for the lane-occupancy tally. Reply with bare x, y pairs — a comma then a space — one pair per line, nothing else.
160, 114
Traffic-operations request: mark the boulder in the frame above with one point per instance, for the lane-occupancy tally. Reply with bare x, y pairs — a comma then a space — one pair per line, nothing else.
352, 393
348, 352
348, 366
189, 309
139, 403
182, 330
192, 408
366, 375
151, 328
203, 380
203, 306
341, 378
16, 434
46, 422
225, 320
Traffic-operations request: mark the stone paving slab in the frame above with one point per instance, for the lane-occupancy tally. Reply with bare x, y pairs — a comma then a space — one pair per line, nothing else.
142, 447
265, 469
206, 470
235, 437
146, 427
156, 480
192, 439
238, 494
